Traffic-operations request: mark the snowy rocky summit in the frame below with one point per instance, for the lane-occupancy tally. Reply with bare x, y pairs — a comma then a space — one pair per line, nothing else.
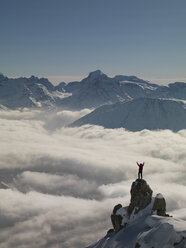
144, 223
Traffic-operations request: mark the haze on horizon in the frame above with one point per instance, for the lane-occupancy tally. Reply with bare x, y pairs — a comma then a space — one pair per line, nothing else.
65, 40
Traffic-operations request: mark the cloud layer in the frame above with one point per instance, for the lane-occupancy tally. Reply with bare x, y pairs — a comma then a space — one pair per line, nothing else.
63, 182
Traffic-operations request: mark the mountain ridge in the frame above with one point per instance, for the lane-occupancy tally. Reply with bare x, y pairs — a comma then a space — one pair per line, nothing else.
138, 114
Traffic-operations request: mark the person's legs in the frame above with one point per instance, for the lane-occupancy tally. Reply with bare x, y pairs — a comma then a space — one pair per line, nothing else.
140, 175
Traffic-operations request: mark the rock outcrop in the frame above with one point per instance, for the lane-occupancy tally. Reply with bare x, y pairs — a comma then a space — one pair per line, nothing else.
159, 205
141, 202
116, 219
141, 196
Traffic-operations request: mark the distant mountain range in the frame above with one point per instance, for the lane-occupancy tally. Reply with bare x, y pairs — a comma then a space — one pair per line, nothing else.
95, 90
131, 102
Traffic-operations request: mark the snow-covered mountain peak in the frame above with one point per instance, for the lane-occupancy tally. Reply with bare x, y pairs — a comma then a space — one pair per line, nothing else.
138, 114
33, 78
2, 77
133, 79
27, 92
40, 81
177, 85
96, 74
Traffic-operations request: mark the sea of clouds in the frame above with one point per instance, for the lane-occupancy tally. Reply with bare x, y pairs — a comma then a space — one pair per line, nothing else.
64, 182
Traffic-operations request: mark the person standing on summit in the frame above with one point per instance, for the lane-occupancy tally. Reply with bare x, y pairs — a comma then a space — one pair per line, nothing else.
140, 172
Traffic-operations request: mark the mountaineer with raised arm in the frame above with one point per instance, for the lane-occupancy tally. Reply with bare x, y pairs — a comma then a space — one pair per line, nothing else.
140, 172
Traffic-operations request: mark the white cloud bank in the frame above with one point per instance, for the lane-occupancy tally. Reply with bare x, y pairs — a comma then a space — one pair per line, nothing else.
64, 181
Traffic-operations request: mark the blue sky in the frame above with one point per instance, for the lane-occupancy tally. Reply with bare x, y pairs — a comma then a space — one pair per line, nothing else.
66, 39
